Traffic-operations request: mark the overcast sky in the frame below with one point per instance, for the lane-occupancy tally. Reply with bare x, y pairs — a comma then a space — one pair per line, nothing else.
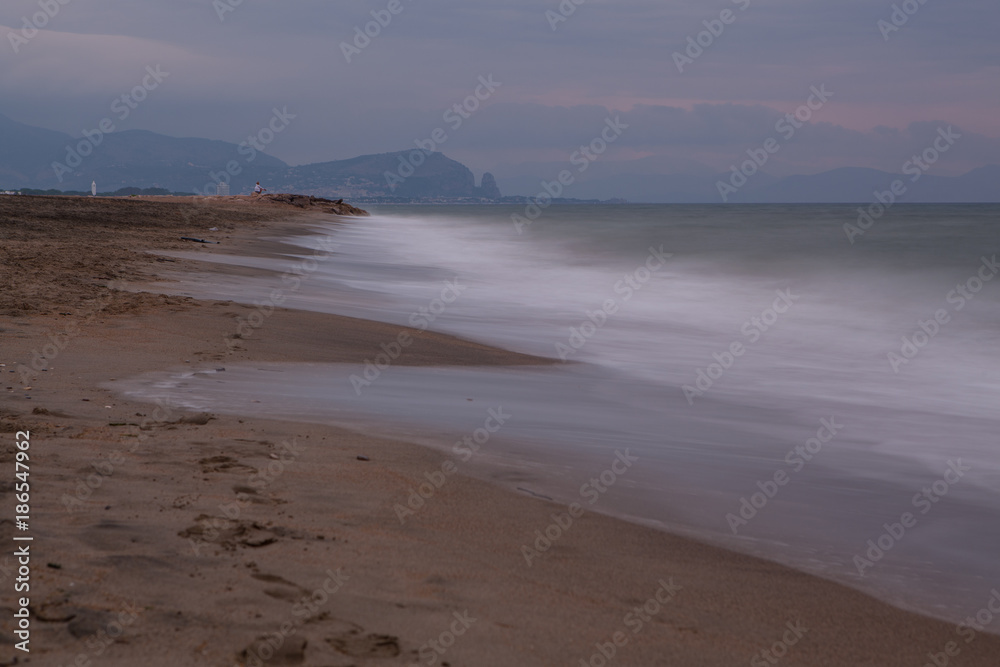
891, 89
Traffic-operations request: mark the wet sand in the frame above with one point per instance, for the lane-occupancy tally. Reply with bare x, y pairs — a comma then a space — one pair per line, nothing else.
168, 538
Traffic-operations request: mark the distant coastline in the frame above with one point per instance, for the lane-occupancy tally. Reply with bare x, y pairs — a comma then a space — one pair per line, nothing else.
137, 162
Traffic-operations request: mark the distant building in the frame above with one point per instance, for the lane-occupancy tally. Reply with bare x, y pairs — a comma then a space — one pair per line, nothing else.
222, 189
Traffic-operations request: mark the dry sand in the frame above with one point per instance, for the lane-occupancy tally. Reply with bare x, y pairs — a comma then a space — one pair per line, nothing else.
165, 538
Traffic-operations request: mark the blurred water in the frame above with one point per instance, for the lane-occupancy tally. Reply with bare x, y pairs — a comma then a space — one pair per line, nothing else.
592, 284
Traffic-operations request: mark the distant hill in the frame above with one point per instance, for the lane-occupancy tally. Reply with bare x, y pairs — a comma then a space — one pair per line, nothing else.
142, 159
366, 176
130, 158
26, 153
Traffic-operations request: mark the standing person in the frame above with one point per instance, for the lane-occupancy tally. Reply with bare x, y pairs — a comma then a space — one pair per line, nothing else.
258, 190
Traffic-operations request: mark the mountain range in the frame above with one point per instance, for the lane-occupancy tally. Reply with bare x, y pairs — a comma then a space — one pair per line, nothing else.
37, 158
32, 157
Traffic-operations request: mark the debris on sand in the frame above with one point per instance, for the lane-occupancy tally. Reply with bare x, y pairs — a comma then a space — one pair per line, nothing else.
305, 201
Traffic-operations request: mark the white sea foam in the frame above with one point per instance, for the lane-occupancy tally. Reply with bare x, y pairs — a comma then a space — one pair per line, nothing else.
825, 355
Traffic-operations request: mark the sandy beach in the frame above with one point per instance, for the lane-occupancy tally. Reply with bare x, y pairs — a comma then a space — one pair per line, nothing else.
163, 537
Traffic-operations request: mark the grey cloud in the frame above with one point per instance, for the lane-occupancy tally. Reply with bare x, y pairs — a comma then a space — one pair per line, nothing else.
558, 85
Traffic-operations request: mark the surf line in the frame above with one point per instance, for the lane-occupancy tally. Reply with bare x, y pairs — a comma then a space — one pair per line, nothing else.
753, 329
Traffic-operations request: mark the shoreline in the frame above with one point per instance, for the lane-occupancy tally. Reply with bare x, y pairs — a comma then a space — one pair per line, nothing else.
241, 519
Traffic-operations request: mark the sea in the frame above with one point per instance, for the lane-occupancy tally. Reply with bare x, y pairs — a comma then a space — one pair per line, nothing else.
818, 385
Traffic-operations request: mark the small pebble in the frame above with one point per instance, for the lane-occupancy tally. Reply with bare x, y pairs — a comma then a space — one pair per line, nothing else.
363, 458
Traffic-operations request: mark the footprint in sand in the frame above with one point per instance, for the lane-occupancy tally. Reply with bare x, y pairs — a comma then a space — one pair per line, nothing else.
229, 533
248, 494
224, 464
357, 645
88, 622
199, 419
282, 589
56, 609
291, 651
180, 502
